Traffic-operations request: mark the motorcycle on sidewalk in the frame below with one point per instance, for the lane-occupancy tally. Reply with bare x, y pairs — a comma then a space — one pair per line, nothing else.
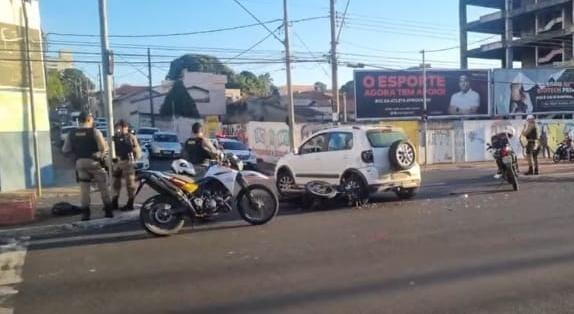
507, 162
224, 186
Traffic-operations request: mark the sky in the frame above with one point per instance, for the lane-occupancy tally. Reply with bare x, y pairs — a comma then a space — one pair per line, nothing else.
382, 33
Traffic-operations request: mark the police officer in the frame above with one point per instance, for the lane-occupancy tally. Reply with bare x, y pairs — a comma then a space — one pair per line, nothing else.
200, 150
531, 133
128, 151
89, 148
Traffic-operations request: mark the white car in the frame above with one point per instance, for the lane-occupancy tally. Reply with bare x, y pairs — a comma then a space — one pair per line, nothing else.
64, 131
143, 162
242, 151
361, 159
165, 144
145, 135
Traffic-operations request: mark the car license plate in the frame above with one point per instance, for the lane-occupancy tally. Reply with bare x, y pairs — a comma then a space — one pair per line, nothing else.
507, 160
167, 152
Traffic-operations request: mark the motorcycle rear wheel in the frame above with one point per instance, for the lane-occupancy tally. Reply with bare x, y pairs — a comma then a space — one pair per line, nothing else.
512, 179
157, 216
263, 207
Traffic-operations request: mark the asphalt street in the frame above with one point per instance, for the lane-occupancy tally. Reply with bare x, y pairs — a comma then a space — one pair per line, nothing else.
466, 244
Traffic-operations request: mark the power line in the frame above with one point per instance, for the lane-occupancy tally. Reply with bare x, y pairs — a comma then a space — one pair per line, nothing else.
343, 20
257, 43
311, 53
257, 19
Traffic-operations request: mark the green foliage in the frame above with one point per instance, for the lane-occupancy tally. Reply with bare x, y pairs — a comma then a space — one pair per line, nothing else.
178, 99
249, 83
78, 87
197, 63
348, 88
320, 86
57, 90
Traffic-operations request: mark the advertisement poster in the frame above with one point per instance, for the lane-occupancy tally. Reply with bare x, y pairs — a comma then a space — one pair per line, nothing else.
524, 91
391, 94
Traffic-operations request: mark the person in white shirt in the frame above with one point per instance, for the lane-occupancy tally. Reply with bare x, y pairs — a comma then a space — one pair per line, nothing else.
466, 101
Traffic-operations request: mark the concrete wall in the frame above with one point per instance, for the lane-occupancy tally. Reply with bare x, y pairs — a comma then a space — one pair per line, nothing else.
447, 141
17, 154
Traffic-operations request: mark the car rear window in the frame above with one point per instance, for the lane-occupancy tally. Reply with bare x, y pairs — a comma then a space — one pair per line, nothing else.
384, 138
147, 131
165, 138
233, 145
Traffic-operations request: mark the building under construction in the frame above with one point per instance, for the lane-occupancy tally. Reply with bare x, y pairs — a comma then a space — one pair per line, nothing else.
538, 33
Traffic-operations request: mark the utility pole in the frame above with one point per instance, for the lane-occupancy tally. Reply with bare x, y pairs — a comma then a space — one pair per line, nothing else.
334, 69
37, 173
291, 108
463, 36
425, 114
508, 34
345, 107
150, 88
107, 75
101, 93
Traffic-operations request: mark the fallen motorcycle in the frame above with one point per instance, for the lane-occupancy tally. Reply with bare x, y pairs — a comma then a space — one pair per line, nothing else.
225, 184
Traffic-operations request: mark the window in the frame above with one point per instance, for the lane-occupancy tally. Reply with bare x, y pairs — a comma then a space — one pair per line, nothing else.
232, 145
316, 144
340, 141
147, 131
384, 138
166, 138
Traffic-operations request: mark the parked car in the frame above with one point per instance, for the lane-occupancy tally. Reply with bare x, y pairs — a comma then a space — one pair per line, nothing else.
143, 162
242, 151
64, 131
165, 144
366, 159
145, 135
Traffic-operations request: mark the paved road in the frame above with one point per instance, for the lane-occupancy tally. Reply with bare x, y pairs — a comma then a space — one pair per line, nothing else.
466, 245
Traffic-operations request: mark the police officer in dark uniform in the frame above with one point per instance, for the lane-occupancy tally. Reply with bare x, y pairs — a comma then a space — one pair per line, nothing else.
532, 134
128, 151
89, 148
199, 150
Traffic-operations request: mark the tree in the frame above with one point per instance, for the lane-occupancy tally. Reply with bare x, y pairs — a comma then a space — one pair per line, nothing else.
78, 87
320, 87
178, 99
348, 88
197, 63
57, 90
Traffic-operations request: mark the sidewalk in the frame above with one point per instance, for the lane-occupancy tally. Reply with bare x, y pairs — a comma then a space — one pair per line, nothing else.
546, 166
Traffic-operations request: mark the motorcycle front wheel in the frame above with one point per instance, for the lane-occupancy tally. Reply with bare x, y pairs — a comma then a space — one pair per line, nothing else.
257, 204
158, 216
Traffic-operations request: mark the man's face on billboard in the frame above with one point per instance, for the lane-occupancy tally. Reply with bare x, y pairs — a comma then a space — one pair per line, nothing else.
463, 83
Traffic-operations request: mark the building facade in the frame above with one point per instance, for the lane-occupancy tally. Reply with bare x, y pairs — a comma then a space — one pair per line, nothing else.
537, 33
64, 60
17, 164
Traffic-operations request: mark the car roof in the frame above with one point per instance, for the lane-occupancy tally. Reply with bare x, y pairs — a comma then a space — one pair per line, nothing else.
228, 140
147, 128
360, 128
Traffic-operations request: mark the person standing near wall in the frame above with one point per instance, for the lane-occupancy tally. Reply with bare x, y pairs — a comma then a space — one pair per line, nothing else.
89, 148
531, 133
544, 142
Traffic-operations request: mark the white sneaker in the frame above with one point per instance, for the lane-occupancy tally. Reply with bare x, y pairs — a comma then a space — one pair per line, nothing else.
498, 176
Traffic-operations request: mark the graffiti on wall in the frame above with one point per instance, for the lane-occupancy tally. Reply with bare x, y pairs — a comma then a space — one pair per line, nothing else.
269, 140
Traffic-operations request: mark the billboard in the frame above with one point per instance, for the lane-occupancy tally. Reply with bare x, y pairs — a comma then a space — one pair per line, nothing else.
392, 94
523, 91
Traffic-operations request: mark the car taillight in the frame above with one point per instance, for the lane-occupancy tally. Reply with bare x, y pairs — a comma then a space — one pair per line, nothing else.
504, 151
367, 156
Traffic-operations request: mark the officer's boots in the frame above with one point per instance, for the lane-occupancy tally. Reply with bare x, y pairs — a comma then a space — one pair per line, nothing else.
85, 214
108, 211
115, 201
129, 205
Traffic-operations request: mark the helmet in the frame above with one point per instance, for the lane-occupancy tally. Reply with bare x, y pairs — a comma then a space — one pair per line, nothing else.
510, 131
530, 117
235, 162
182, 166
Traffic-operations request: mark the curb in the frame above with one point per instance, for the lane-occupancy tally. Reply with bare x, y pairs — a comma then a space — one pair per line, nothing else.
94, 224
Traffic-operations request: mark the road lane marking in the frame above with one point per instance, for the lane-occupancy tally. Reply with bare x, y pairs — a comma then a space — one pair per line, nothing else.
12, 257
